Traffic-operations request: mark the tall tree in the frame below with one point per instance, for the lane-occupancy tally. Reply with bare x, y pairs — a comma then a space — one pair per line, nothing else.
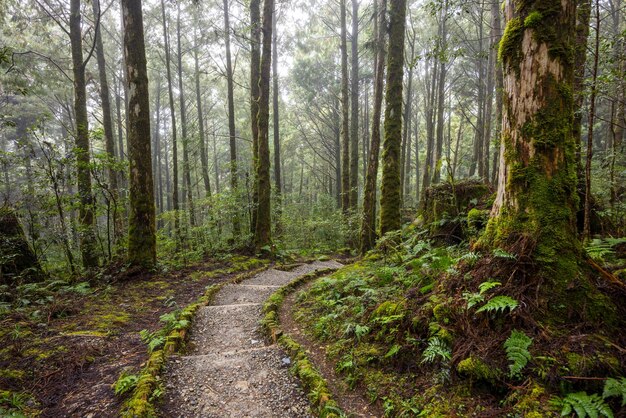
263, 231
83, 174
141, 220
232, 134
536, 199
255, 67
368, 223
276, 116
170, 92
442, 52
390, 200
107, 120
354, 107
345, 114
183, 124
204, 158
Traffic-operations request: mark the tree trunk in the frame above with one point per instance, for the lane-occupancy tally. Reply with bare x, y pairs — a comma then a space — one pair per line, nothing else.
276, 123
204, 158
491, 74
262, 236
592, 117
187, 190
107, 121
170, 92
83, 169
231, 118
536, 199
618, 124
497, 28
441, 93
368, 223
390, 217
345, 112
255, 67
430, 128
141, 222
407, 117
354, 121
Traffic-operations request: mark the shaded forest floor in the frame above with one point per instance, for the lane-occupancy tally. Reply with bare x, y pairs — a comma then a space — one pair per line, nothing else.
67, 345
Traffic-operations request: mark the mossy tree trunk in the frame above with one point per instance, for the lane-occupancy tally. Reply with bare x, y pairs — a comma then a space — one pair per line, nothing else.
354, 107
255, 67
276, 126
368, 223
390, 200
86, 201
262, 236
441, 91
231, 118
536, 198
345, 114
17, 258
141, 222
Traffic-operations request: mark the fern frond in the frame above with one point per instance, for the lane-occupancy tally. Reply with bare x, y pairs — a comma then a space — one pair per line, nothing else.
615, 387
516, 347
584, 405
499, 304
436, 348
486, 286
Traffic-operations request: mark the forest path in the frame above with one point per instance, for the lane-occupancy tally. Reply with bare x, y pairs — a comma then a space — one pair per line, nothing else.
229, 371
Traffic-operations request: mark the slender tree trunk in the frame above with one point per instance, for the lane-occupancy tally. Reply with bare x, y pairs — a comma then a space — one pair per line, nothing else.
183, 124
491, 74
276, 124
141, 220
497, 29
441, 94
430, 128
216, 164
592, 117
417, 160
170, 92
156, 151
390, 217
107, 120
368, 224
86, 201
618, 124
204, 158
262, 236
407, 117
255, 67
231, 118
345, 114
354, 119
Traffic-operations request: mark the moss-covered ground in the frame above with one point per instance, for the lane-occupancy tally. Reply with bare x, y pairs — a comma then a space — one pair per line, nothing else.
63, 345
443, 331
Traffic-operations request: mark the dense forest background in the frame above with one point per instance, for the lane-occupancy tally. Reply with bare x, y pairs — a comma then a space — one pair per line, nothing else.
460, 146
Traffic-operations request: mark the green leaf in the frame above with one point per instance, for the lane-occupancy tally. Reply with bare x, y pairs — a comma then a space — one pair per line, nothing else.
499, 304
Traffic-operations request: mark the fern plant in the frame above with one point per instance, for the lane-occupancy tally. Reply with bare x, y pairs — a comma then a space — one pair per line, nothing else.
499, 304
583, 405
474, 299
516, 347
437, 348
615, 387
125, 383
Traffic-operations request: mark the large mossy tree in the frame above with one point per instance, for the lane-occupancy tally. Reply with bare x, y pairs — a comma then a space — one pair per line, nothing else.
534, 214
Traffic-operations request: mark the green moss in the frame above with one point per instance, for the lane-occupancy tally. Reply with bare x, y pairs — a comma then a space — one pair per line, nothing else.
509, 50
477, 369
533, 20
12, 374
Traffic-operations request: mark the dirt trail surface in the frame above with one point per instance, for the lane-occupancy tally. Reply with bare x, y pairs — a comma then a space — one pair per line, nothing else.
229, 371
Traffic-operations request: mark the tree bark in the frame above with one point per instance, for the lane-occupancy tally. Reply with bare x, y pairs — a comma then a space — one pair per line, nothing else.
276, 123
141, 222
441, 92
390, 217
262, 236
536, 198
354, 118
231, 118
345, 114
368, 223
255, 67
87, 234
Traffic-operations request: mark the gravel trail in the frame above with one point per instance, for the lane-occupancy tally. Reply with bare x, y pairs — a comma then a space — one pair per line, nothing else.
229, 371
